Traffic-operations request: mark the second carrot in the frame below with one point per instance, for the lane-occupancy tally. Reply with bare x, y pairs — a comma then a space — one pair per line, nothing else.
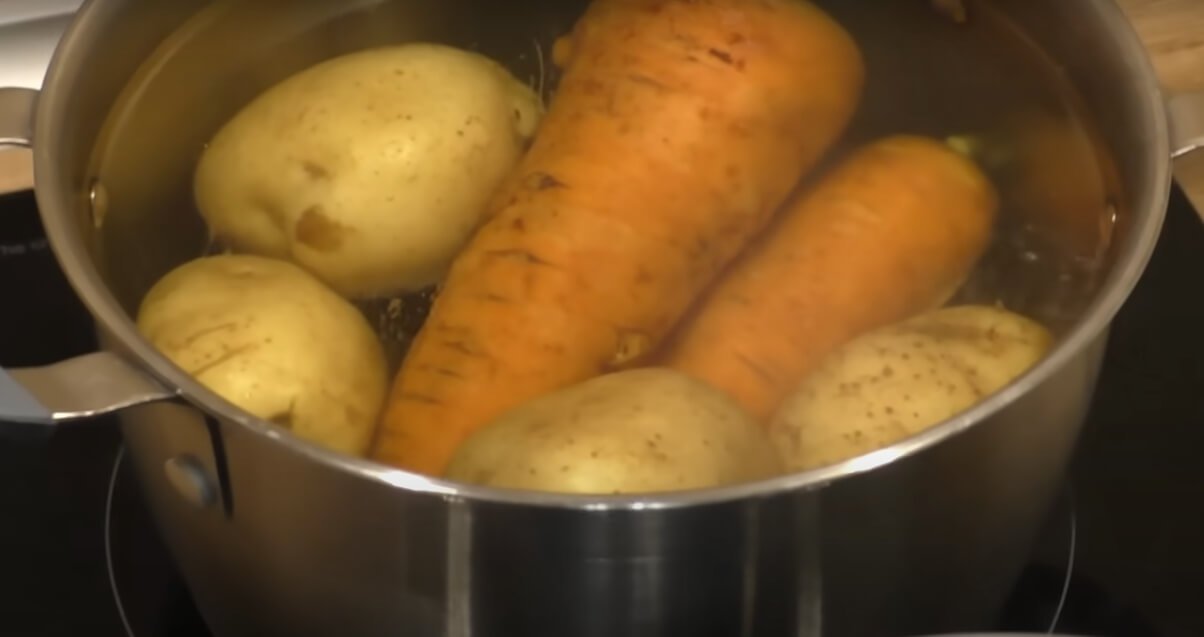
891, 231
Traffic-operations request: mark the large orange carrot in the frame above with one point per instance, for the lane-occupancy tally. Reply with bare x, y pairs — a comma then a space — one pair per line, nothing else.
679, 127
891, 231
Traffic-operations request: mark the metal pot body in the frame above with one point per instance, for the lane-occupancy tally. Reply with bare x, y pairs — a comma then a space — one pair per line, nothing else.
278, 539
929, 543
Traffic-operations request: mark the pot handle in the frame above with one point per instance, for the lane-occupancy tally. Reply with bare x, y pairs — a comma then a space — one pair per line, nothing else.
75, 389
1187, 123
16, 116
84, 387
1186, 112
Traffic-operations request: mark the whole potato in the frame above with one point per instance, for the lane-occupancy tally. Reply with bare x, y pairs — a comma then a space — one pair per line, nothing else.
897, 381
270, 338
371, 169
638, 431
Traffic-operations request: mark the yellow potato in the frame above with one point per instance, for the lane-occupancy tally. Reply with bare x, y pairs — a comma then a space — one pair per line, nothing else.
371, 169
270, 338
639, 431
895, 382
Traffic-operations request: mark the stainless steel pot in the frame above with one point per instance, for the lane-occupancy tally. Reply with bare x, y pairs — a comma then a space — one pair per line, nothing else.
278, 537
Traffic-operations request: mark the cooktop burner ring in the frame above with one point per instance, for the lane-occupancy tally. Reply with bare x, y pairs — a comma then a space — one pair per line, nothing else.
1072, 550
108, 540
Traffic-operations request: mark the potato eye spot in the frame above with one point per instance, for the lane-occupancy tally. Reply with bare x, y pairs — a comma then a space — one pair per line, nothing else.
315, 171
316, 230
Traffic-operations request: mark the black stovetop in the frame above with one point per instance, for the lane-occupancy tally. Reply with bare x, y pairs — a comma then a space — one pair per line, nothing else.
1131, 506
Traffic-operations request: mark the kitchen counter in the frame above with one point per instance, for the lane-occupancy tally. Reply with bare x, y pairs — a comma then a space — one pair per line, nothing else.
1173, 31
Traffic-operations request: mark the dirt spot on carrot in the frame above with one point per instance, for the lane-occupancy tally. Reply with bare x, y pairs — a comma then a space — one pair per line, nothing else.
544, 181
491, 297
420, 398
722, 56
645, 80
756, 368
442, 371
526, 256
462, 347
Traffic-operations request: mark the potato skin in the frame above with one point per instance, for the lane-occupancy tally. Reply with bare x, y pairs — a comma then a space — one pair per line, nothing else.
898, 381
638, 431
271, 339
371, 169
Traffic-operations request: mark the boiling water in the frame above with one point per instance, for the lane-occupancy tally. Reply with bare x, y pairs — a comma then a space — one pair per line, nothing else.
980, 83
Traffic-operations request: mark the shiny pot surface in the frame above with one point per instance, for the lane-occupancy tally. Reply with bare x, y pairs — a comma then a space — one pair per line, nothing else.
278, 537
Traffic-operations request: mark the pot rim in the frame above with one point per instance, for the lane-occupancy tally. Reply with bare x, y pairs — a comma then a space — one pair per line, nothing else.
69, 248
